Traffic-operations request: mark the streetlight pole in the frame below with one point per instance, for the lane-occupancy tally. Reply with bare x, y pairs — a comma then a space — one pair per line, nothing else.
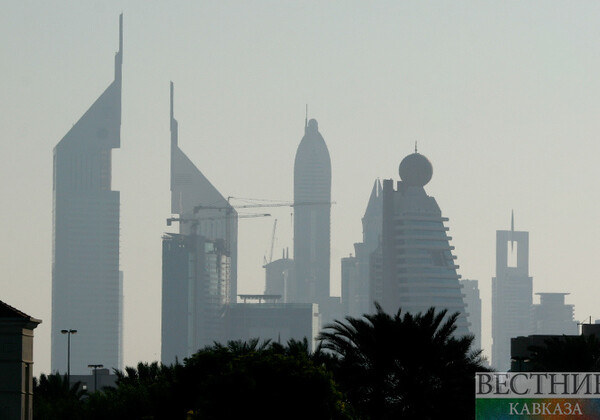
69, 332
95, 367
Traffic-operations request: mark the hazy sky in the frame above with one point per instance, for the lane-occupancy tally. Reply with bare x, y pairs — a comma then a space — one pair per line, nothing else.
503, 97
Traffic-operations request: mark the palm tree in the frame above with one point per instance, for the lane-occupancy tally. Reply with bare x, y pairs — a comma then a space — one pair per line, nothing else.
407, 366
55, 398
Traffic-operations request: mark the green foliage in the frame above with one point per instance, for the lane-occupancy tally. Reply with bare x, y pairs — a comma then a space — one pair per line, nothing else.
566, 354
271, 380
145, 392
237, 380
55, 399
377, 367
403, 366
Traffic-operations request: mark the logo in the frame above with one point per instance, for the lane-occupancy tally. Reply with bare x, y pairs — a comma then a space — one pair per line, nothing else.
537, 395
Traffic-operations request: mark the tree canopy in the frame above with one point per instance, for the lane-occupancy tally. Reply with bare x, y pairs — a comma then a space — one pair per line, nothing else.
237, 380
407, 366
379, 366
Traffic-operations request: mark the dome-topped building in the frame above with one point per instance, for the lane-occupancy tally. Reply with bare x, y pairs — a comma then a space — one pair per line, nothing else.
415, 170
418, 268
312, 217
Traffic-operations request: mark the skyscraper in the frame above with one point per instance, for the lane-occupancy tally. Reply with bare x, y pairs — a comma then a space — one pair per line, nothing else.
553, 316
512, 290
473, 302
312, 215
278, 277
418, 268
200, 206
86, 283
199, 263
194, 293
356, 275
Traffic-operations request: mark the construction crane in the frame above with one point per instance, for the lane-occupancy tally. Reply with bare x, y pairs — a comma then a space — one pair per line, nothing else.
272, 244
170, 220
273, 240
274, 204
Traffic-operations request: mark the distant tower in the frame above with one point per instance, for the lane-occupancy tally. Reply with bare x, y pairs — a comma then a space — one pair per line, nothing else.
199, 263
356, 276
418, 268
512, 290
552, 316
473, 302
195, 291
278, 276
86, 283
194, 197
312, 214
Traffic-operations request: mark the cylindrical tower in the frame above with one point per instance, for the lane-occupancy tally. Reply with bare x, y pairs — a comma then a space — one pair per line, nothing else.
312, 217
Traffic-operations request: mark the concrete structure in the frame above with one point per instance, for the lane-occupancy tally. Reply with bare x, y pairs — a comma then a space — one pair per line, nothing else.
16, 363
350, 285
194, 294
278, 322
312, 214
87, 287
418, 267
279, 275
199, 263
99, 380
553, 316
512, 290
473, 302
356, 271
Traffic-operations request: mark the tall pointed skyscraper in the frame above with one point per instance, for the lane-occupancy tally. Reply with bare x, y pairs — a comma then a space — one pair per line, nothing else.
199, 263
312, 216
87, 286
356, 271
194, 197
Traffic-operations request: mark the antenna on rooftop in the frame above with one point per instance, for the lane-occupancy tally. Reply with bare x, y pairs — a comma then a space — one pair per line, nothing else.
306, 118
512, 230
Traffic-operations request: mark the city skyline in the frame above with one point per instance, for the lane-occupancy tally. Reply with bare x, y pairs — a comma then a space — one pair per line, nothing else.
502, 98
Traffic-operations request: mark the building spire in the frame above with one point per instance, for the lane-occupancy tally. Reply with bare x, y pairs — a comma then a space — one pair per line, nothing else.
119, 54
306, 119
171, 101
173, 120
121, 32
512, 229
415, 146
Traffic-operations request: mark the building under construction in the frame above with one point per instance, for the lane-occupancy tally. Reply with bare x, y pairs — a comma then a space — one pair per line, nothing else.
200, 263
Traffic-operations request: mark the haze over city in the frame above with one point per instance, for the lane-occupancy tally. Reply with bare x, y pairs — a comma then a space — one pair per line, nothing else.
501, 97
